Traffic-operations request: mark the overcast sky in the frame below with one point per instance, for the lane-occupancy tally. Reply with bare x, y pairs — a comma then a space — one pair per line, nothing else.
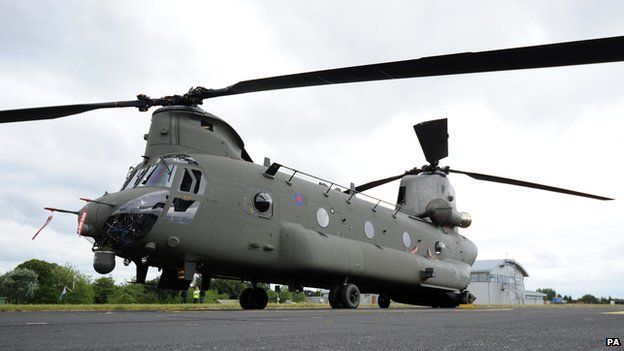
559, 126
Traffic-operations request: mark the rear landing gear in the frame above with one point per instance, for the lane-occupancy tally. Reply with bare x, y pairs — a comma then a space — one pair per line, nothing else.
383, 301
333, 299
253, 299
344, 296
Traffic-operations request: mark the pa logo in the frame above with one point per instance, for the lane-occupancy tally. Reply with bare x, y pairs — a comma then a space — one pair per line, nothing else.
613, 342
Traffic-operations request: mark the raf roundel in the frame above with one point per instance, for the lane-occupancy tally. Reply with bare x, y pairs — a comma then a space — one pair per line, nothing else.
298, 198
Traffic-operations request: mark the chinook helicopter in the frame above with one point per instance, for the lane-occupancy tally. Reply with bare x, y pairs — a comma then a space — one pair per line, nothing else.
198, 204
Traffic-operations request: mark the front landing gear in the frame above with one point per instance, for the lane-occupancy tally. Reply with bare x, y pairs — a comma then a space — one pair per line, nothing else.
344, 296
383, 301
253, 299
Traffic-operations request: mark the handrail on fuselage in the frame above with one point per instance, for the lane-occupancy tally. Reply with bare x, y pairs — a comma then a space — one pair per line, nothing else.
274, 167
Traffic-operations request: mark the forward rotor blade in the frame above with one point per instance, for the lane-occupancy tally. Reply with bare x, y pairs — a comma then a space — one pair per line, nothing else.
510, 181
51, 112
549, 55
383, 181
377, 183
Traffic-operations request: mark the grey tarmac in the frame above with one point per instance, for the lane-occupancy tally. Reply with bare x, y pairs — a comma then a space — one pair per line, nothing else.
315, 329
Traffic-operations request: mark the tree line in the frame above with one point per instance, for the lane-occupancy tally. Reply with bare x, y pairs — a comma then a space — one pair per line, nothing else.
40, 282
552, 295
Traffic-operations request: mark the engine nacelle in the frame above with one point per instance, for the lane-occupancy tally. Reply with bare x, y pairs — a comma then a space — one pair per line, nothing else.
431, 195
441, 212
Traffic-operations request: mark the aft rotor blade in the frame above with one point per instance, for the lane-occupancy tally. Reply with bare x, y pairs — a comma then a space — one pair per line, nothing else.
51, 112
510, 181
540, 56
433, 139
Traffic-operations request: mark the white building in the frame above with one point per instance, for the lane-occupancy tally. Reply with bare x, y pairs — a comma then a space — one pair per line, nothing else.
534, 298
501, 282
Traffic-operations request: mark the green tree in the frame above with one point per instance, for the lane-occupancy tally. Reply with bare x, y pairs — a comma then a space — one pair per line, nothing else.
272, 295
550, 293
232, 288
139, 293
298, 297
103, 289
588, 298
82, 290
49, 286
213, 295
20, 285
122, 297
284, 294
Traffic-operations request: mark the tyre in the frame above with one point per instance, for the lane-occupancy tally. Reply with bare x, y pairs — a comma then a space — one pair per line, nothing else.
245, 299
333, 297
258, 298
349, 296
383, 301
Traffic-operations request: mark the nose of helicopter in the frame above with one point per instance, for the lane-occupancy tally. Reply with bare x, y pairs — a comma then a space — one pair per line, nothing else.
91, 218
121, 219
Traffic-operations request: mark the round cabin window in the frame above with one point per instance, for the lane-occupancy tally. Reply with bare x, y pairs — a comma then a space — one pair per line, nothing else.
322, 217
407, 240
439, 247
263, 202
369, 229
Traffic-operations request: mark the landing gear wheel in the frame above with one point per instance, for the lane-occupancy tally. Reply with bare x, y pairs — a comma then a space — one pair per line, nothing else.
253, 299
333, 297
349, 296
383, 301
245, 300
466, 297
258, 298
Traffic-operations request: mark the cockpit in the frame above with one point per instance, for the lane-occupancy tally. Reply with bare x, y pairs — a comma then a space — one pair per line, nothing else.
160, 174
180, 184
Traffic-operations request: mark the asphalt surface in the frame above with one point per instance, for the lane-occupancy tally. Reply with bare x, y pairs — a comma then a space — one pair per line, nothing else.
326, 329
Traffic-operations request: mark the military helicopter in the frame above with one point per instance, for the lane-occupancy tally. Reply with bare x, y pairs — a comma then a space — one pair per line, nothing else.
198, 204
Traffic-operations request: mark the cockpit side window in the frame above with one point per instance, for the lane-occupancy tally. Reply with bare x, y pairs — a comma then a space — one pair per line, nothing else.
200, 182
182, 211
187, 181
193, 181
131, 178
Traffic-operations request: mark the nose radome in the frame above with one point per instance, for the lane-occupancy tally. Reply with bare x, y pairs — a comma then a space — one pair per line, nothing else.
130, 220
91, 219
